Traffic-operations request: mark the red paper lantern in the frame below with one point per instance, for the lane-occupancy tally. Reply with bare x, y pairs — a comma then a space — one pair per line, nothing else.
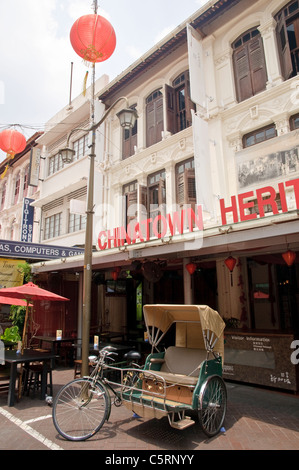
230, 263
191, 267
12, 142
289, 257
114, 275
93, 38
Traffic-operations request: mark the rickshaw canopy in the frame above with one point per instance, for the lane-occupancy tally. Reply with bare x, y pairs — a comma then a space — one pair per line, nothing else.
197, 326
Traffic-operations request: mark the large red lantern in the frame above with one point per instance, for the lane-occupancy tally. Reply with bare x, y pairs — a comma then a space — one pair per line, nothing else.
12, 142
93, 38
289, 257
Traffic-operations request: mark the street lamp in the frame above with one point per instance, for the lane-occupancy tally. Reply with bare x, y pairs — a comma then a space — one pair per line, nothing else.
127, 118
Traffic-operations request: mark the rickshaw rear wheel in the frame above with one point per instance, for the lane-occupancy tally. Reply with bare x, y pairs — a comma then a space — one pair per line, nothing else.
212, 405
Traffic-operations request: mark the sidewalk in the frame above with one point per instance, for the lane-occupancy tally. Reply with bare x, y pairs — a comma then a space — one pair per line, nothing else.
256, 419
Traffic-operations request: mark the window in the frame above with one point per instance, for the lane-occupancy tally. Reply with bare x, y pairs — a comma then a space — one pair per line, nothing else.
156, 196
130, 205
17, 189
53, 226
249, 65
294, 122
259, 136
55, 164
154, 118
76, 222
3, 195
129, 140
81, 147
287, 31
185, 183
26, 179
179, 104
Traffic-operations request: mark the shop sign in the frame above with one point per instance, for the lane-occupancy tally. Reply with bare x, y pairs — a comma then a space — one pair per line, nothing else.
158, 227
10, 273
14, 249
27, 220
266, 196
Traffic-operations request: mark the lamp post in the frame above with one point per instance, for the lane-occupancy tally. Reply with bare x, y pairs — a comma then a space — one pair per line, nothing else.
127, 118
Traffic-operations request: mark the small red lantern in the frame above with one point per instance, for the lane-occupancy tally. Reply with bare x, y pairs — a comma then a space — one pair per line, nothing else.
230, 263
289, 257
12, 142
93, 38
191, 267
114, 275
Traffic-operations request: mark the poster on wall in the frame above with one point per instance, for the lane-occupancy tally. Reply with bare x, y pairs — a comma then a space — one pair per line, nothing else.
10, 273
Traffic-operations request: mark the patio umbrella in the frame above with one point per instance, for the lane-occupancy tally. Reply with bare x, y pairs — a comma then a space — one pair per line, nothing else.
29, 292
12, 301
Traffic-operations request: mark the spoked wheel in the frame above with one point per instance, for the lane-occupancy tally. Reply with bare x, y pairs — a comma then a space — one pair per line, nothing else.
80, 409
212, 405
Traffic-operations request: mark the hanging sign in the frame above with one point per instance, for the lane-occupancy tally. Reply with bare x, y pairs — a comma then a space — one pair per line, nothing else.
27, 220
34, 167
10, 273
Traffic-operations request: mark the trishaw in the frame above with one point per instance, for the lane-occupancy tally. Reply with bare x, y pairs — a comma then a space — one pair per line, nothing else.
178, 381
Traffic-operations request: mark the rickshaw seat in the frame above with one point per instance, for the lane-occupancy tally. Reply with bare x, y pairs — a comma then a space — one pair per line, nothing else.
181, 365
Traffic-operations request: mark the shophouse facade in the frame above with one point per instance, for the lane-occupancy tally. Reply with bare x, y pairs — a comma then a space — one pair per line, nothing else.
210, 171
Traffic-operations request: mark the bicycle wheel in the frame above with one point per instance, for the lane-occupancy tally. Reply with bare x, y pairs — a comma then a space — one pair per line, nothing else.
212, 405
80, 409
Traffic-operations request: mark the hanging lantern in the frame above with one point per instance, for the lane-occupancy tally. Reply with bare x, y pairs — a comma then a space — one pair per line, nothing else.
93, 38
230, 262
289, 257
114, 275
12, 142
191, 267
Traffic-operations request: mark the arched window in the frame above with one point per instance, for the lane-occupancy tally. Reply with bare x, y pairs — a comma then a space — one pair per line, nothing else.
249, 64
154, 118
288, 39
179, 104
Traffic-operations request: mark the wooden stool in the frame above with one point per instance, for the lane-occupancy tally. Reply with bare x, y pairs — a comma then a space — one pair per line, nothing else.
35, 376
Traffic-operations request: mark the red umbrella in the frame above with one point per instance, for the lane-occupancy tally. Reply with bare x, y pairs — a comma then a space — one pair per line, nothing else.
29, 292
12, 301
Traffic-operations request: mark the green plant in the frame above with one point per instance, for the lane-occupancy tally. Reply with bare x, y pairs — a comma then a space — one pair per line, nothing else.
17, 316
25, 268
11, 335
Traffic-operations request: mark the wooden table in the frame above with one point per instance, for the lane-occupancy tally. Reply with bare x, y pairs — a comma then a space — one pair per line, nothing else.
55, 344
29, 355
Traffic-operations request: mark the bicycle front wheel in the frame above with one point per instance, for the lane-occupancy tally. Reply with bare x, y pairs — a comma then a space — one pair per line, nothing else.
80, 409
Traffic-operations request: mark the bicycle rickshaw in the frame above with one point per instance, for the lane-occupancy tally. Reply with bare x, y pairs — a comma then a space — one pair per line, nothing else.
177, 382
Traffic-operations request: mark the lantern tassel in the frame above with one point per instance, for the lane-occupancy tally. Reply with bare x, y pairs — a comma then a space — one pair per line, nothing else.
4, 172
85, 84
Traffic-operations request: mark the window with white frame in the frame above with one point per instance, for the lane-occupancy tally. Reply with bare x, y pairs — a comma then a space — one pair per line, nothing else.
53, 226
55, 164
76, 222
81, 147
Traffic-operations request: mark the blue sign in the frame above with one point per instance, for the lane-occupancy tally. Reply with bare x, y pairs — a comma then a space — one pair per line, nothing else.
27, 220
21, 250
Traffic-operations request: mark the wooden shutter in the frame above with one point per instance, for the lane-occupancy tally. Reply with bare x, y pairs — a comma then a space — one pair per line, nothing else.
257, 65
189, 187
159, 118
170, 111
242, 74
143, 201
150, 124
284, 48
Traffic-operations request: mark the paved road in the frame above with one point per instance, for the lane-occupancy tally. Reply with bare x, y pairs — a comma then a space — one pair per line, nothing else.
256, 419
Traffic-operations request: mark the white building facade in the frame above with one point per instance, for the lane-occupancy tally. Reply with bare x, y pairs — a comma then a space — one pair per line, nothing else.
218, 117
